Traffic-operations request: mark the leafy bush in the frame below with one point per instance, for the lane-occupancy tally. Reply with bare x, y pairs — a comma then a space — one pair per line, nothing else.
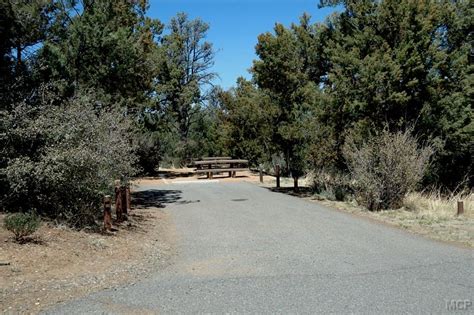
63, 158
332, 185
22, 224
148, 151
385, 168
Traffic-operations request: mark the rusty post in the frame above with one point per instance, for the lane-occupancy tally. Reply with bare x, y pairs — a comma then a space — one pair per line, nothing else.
118, 202
277, 173
261, 174
107, 213
460, 207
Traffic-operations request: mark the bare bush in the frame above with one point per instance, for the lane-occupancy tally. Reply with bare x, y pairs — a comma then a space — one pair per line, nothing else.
385, 168
63, 158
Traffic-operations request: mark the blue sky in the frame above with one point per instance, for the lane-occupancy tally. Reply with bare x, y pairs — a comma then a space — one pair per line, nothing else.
235, 25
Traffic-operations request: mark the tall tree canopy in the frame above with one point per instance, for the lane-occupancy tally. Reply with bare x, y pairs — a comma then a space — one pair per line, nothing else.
106, 45
185, 71
287, 73
377, 64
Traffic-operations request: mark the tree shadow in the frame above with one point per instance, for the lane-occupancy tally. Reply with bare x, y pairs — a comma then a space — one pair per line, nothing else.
174, 175
155, 198
220, 176
303, 192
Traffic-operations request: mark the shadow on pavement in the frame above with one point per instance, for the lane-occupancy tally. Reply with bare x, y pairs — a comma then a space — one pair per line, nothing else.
174, 175
221, 176
303, 192
155, 198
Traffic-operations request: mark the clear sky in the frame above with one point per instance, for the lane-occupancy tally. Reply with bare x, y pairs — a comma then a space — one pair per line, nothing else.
235, 25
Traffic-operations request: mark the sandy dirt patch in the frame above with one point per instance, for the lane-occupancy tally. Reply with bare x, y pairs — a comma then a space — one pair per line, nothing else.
63, 264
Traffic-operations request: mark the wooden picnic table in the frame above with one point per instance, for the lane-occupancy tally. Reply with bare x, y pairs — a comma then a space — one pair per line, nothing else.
216, 158
214, 162
213, 165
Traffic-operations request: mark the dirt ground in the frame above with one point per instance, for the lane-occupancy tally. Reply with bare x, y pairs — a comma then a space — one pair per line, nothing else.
172, 175
62, 264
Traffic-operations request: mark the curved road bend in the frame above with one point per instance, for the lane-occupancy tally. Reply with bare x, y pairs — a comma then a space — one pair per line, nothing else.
245, 249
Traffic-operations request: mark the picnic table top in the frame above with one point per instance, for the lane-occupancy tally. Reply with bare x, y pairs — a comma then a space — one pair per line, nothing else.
207, 162
212, 158
217, 170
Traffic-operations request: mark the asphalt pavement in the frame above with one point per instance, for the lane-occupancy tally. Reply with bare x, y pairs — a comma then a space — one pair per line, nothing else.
245, 249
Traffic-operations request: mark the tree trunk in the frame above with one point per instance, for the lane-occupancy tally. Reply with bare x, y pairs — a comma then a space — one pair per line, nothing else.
287, 160
18, 57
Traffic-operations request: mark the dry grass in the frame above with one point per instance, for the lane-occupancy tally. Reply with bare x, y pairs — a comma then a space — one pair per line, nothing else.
434, 205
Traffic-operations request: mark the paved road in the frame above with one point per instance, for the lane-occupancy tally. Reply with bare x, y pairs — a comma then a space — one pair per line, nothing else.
245, 249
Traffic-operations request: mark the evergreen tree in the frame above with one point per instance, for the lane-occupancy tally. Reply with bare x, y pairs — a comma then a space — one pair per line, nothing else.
106, 45
288, 74
185, 70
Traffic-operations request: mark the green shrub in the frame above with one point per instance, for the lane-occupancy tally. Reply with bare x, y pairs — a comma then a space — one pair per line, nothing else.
332, 185
385, 168
148, 151
22, 224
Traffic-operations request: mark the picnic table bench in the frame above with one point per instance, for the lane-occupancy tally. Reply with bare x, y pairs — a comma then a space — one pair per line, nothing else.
212, 165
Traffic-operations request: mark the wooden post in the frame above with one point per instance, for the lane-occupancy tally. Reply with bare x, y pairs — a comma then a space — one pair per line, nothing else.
261, 174
277, 173
118, 202
129, 198
123, 195
107, 213
460, 207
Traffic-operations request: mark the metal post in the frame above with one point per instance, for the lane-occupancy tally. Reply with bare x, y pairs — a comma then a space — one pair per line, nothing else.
261, 175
